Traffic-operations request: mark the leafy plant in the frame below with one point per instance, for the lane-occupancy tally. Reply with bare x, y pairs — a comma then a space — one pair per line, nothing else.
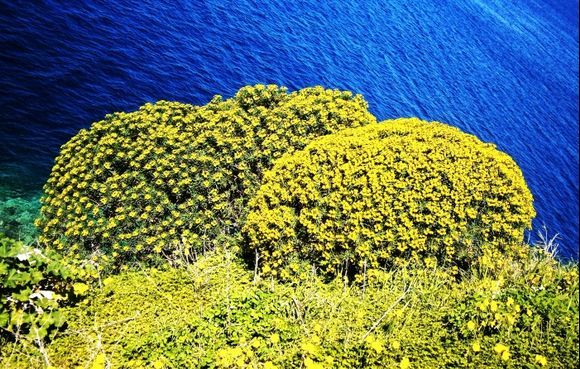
214, 314
506, 318
35, 284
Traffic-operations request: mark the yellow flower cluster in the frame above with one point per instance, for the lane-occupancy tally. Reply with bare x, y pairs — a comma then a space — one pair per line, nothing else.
401, 191
173, 175
497, 314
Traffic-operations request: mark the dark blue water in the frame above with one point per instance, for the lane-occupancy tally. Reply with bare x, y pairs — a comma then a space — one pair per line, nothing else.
505, 71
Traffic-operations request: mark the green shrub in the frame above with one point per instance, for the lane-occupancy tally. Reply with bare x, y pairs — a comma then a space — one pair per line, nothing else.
213, 315
404, 191
35, 283
508, 319
173, 176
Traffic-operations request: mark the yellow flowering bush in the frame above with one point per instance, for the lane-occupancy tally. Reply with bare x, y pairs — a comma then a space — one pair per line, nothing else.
392, 193
173, 176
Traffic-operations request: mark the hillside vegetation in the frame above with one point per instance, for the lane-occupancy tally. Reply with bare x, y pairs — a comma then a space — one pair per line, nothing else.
282, 229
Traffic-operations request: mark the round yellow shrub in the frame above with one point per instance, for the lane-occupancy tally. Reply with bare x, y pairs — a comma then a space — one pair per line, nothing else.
401, 191
174, 176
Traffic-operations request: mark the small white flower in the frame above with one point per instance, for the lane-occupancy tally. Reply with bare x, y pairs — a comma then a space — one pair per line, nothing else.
42, 294
24, 256
47, 294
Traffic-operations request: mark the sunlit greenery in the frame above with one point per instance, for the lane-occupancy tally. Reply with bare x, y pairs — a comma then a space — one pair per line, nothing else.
212, 314
35, 283
282, 229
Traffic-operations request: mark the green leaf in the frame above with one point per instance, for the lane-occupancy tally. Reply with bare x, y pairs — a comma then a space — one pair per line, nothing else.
23, 295
53, 268
59, 318
4, 319
36, 276
38, 333
17, 317
15, 278
4, 251
46, 320
11, 279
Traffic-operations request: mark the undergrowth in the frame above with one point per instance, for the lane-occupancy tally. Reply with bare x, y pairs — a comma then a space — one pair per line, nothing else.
215, 313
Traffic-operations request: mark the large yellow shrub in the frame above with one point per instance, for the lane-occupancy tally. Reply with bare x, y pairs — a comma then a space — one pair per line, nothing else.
396, 192
173, 175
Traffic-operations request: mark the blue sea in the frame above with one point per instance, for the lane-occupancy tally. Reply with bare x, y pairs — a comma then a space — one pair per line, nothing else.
506, 71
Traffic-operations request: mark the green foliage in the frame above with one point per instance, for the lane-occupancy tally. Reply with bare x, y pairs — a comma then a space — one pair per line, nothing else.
403, 191
507, 319
213, 315
175, 180
173, 176
35, 283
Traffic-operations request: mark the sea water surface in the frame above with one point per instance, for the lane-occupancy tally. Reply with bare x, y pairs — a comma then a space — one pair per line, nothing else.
506, 71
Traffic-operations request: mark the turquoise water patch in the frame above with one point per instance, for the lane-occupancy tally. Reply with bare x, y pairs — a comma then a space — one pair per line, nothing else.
17, 215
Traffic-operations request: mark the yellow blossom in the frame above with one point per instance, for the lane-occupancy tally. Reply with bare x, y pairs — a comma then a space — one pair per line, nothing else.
275, 338
505, 355
500, 348
541, 360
